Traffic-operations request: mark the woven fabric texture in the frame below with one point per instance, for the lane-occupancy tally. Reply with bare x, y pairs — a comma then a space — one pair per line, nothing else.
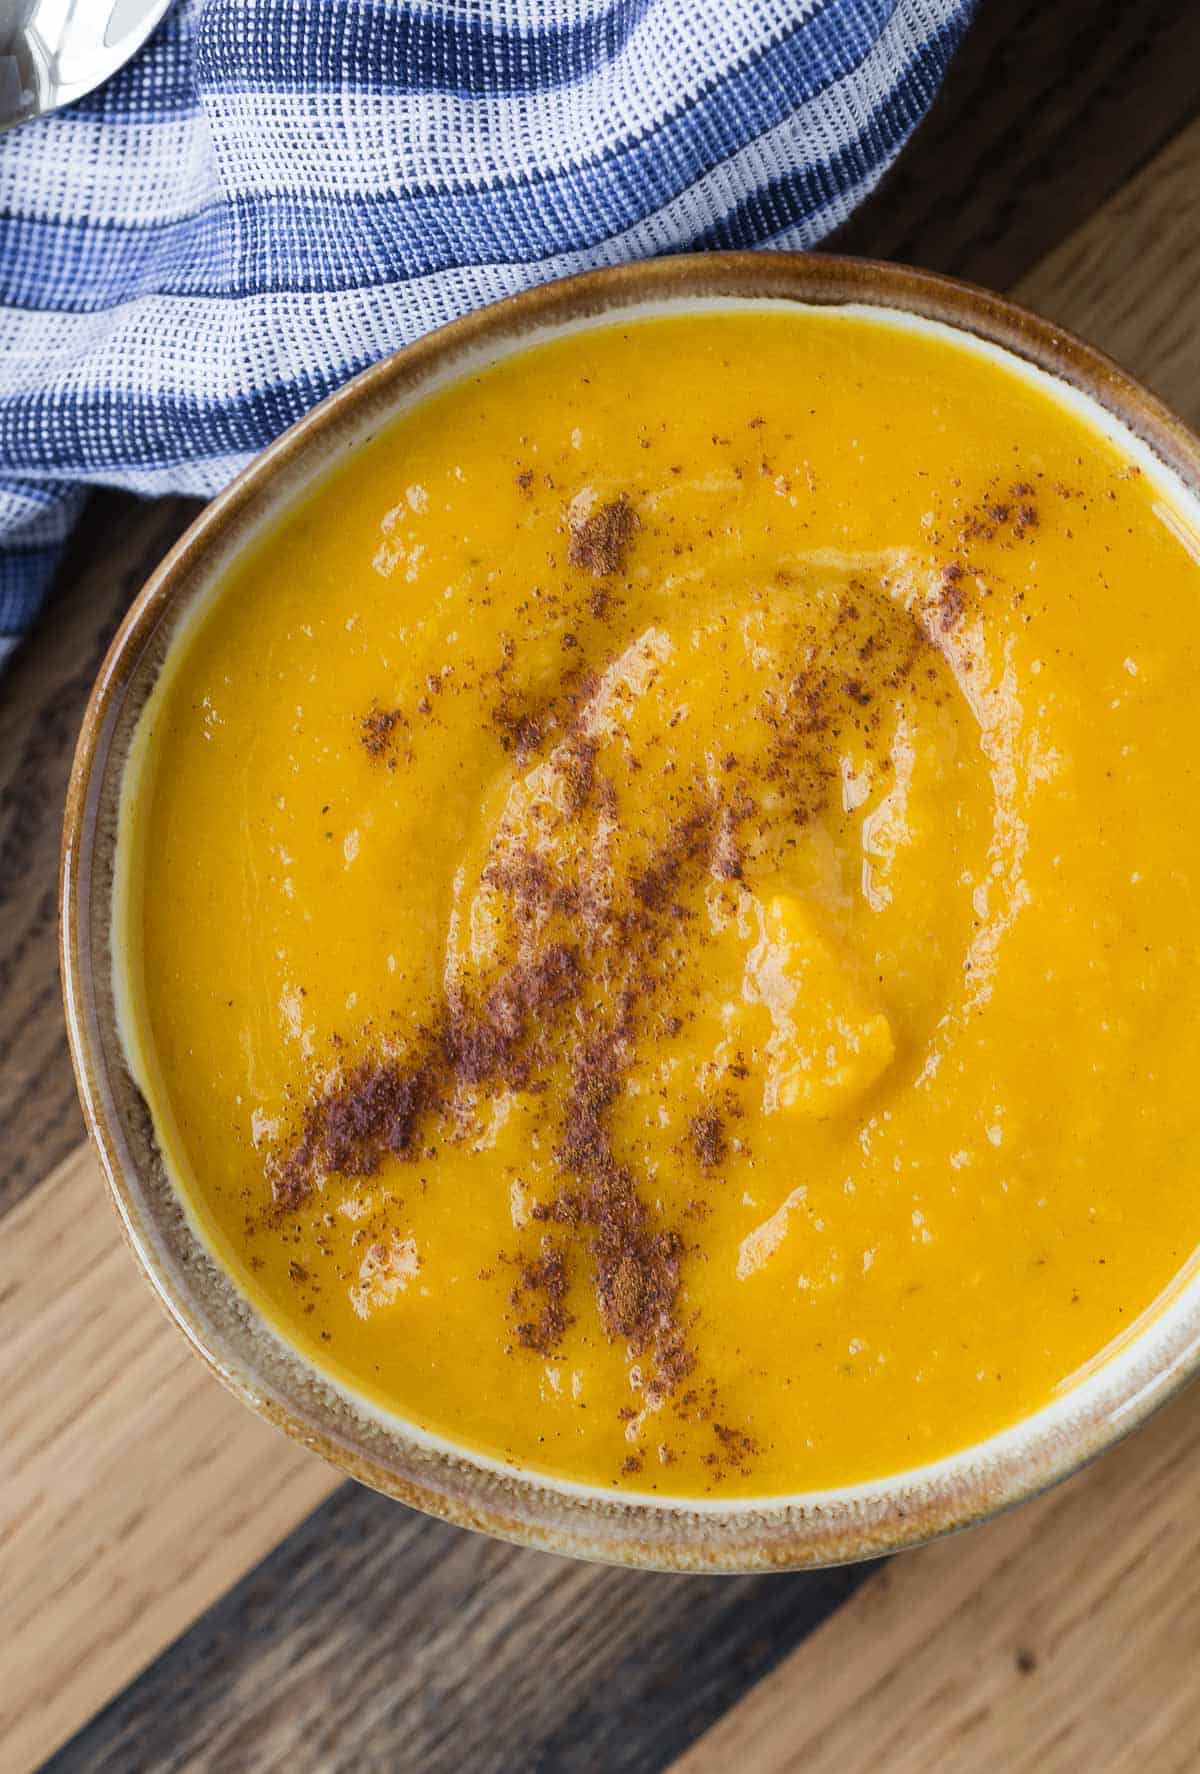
275, 193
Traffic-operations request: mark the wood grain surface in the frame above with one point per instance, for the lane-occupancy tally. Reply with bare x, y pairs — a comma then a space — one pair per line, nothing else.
1129, 279
134, 1491
1048, 110
378, 1640
43, 690
1063, 1637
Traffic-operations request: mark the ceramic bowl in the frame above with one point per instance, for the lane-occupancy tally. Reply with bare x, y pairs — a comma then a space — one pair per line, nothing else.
854, 1522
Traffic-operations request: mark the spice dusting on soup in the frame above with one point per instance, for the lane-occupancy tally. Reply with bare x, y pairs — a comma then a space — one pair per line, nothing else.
659, 905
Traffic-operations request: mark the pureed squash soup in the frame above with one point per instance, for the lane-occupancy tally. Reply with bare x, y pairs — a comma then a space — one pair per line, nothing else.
658, 905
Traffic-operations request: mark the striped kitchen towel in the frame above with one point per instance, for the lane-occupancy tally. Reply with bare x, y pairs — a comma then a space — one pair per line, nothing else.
275, 193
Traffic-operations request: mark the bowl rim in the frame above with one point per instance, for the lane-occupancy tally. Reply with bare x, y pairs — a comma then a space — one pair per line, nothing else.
806, 1530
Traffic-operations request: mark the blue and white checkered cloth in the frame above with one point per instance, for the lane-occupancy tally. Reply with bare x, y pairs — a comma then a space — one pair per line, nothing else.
275, 193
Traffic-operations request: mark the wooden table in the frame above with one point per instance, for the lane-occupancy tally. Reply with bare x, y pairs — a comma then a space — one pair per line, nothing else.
180, 1588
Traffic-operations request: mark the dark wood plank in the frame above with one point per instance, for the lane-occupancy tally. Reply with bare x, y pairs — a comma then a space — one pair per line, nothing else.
376, 1639
1047, 110
43, 690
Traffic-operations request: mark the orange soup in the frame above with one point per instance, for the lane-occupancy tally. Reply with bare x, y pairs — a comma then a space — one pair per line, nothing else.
658, 906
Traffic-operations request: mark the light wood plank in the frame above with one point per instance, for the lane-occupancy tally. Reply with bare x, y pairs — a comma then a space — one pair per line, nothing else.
133, 1488
1065, 1635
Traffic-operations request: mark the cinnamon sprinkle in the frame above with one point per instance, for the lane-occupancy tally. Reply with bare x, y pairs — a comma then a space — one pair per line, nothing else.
547, 1277
707, 1134
372, 1111
951, 600
599, 542
377, 727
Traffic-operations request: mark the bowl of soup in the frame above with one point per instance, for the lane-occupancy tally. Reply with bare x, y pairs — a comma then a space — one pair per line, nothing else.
629, 896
